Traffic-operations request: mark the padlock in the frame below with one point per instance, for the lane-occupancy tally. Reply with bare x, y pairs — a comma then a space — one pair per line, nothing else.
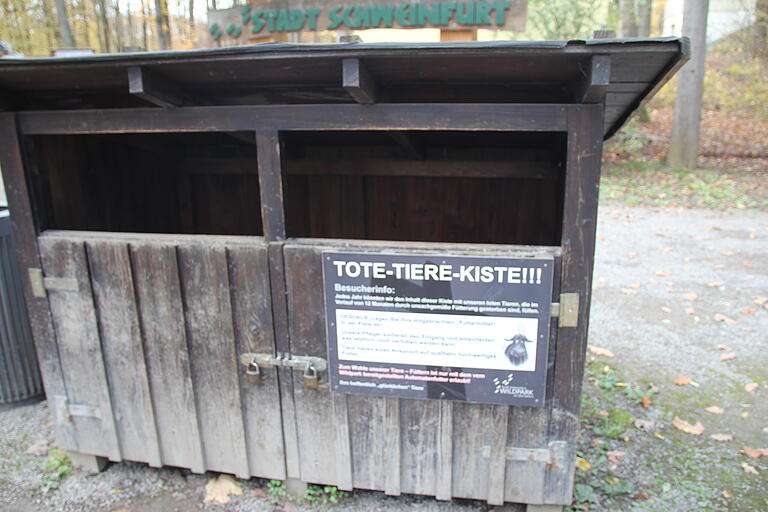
253, 373
310, 379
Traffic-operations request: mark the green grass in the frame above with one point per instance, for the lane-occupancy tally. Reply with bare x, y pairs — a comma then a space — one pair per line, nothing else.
649, 184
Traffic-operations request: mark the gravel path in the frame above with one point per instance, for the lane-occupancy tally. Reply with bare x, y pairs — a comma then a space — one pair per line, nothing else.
647, 261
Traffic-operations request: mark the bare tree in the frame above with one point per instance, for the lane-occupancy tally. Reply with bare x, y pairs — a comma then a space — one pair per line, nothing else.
65, 31
162, 21
628, 16
644, 9
684, 145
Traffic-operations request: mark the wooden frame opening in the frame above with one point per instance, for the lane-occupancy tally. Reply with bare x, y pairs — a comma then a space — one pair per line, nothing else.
425, 186
189, 183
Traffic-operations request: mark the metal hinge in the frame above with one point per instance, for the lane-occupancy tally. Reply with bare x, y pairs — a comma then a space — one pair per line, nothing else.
553, 456
310, 366
40, 284
65, 410
567, 310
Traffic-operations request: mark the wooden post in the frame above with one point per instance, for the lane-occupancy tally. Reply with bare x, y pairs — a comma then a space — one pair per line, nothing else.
684, 145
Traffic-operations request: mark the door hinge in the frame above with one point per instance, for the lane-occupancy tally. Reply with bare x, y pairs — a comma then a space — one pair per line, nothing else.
310, 366
40, 284
567, 310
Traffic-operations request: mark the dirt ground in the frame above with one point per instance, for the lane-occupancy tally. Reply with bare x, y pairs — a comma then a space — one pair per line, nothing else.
671, 286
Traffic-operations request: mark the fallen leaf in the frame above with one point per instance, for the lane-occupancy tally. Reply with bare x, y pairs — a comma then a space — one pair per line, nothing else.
614, 456
631, 255
727, 494
760, 300
754, 453
259, 493
724, 347
715, 284
748, 311
658, 435
666, 309
722, 437
752, 386
633, 285
691, 296
748, 264
603, 413
683, 380
645, 425
745, 414
39, 448
627, 291
599, 351
220, 488
646, 401
661, 273
728, 253
597, 442
689, 311
728, 356
686, 427
715, 410
750, 470
719, 266
583, 464
640, 496
719, 317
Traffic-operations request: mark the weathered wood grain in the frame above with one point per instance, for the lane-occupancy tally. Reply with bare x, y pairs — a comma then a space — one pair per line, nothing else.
122, 344
420, 420
444, 462
213, 357
82, 360
254, 332
24, 235
158, 291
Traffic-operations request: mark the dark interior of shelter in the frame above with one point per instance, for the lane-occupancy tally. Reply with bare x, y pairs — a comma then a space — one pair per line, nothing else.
432, 186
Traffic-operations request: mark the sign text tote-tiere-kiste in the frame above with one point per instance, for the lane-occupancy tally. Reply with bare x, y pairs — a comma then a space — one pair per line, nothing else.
280, 16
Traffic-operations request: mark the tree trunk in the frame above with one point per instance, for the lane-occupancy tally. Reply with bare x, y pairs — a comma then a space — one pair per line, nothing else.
64, 29
104, 20
163, 24
644, 8
684, 144
761, 28
118, 27
131, 28
144, 16
628, 18
192, 21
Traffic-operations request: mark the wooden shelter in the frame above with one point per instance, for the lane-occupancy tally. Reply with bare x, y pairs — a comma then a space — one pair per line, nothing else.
171, 212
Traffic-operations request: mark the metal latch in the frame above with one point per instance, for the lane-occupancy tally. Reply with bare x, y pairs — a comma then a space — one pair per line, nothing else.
553, 456
65, 410
567, 310
40, 284
310, 366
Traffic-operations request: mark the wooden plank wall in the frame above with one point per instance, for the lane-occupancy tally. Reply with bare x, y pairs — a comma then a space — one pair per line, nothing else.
153, 334
442, 449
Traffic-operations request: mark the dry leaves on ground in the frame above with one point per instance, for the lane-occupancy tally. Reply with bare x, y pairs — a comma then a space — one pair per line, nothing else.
760, 300
715, 410
748, 311
613, 456
682, 380
722, 437
646, 401
715, 284
686, 427
691, 296
751, 387
220, 488
754, 453
719, 317
750, 470
583, 464
599, 351
727, 356
724, 347
662, 273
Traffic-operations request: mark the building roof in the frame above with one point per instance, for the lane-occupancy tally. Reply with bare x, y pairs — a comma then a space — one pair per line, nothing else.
280, 73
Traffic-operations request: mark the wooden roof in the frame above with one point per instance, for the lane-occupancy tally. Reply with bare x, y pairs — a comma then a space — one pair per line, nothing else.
279, 73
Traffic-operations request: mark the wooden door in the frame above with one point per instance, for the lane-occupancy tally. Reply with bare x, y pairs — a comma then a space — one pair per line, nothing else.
446, 449
149, 331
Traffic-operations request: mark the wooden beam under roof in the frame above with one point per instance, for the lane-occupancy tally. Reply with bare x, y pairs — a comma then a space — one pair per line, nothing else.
597, 80
358, 82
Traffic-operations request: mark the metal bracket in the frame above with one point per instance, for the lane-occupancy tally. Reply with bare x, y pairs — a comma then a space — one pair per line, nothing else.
66, 410
40, 284
553, 456
568, 310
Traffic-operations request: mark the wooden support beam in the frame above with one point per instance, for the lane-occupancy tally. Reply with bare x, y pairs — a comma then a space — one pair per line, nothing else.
410, 146
598, 77
159, 90
358, 82
389, 117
